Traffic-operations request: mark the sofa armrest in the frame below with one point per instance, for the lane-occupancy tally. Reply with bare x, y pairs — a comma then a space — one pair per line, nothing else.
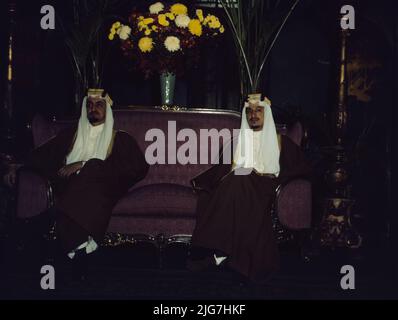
34, 194
293, 204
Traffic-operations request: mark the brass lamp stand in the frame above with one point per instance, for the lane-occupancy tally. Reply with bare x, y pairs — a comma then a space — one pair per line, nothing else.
7, 126
335, 228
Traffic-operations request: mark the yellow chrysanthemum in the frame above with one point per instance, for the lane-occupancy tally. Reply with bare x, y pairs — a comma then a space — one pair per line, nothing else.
199, 14
210, 19
222, 29
170, 16
148, 21
145, 44
178, 8
116, 25
195, 27
111, 36
155, 28
148, 32
214, 24
163, 20
142, 27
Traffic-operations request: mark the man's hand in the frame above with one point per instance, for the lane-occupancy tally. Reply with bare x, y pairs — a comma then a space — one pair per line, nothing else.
11, 176
68, 170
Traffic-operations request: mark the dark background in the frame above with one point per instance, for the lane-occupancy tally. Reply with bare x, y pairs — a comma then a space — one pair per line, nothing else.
300, 79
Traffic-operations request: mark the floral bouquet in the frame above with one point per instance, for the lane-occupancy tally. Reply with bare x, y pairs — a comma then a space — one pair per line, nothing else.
166, 39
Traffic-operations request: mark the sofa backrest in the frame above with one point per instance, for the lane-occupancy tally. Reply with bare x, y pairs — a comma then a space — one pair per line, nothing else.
138, 121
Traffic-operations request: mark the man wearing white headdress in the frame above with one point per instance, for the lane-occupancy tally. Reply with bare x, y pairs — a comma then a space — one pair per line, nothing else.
234, 225
90, 166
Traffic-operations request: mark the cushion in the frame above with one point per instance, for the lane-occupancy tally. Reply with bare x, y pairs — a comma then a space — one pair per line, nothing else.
163, 199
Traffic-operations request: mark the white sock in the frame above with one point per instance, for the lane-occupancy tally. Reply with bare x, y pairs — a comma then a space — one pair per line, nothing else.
90, 245
219, 260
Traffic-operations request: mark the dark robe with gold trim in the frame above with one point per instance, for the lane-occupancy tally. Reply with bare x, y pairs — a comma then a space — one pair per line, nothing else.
84, 201
234, 213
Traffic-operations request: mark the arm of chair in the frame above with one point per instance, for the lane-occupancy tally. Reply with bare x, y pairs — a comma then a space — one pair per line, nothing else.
293, 204
34, 194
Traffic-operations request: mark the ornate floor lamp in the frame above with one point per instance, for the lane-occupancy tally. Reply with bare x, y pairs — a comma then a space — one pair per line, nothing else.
336, 229
7, 132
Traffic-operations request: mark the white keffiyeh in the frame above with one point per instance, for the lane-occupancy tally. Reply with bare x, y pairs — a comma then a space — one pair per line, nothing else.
258, 150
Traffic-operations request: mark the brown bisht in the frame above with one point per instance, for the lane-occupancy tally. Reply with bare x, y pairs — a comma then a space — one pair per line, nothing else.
234, 213
84, 201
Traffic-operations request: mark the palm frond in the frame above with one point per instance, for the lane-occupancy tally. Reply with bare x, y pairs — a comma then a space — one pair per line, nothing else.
268, 50
255, 26
237, 29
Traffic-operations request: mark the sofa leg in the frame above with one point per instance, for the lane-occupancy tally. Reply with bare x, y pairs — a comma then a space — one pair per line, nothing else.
160, 241
305, 246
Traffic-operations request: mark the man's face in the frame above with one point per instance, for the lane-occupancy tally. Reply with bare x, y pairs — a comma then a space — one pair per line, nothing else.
96, 110
255, 116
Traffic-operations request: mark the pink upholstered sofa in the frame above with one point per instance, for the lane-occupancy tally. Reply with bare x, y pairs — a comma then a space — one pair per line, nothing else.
161, 207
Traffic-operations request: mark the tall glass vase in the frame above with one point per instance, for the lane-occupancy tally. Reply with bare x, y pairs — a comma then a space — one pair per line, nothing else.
167, 85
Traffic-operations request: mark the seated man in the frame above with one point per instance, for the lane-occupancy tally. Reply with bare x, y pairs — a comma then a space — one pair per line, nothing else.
235, 200
90, 167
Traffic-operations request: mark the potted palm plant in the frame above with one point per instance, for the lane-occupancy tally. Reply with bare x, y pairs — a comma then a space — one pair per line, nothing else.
85, 42
255, 26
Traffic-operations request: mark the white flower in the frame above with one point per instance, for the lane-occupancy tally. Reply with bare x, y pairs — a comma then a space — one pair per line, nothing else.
124, 32
172, 43
182, 21
156, 8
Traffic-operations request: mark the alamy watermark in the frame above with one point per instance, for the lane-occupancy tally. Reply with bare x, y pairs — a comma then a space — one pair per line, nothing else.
47, 22
47, 281
348, 20
348, 280
192, 144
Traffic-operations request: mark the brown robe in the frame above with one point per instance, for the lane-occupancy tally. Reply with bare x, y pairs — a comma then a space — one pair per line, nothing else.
234, 213
84, 201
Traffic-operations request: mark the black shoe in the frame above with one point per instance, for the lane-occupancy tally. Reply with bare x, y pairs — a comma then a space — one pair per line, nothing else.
199, 265
72, 270
206, 264
80, 265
